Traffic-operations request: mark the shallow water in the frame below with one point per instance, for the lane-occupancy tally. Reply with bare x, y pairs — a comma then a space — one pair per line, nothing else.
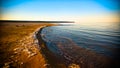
84, 44
101, 40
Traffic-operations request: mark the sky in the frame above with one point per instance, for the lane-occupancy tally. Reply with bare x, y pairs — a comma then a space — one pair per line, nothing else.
60, 10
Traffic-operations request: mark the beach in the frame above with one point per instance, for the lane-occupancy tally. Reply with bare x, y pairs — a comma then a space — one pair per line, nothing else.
46, 45
19, 47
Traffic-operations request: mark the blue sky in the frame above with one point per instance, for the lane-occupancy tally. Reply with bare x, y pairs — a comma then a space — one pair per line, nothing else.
58, 9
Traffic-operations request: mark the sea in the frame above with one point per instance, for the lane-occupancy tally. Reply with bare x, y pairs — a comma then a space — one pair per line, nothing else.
75, 40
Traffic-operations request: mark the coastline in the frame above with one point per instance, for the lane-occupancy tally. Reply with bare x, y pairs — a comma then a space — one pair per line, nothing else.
53, 60
31, 51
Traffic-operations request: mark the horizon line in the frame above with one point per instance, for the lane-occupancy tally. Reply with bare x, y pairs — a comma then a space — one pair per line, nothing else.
36, 21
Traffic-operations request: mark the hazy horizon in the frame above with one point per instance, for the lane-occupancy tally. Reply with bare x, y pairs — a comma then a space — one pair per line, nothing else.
96, 11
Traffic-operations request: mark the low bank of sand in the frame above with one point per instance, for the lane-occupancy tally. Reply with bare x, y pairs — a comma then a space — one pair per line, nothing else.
18, 46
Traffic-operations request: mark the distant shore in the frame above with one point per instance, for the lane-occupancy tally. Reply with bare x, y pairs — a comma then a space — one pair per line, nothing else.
26, 21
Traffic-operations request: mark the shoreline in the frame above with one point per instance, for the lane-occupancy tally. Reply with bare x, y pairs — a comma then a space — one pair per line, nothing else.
32, 51
53, 60
29, 49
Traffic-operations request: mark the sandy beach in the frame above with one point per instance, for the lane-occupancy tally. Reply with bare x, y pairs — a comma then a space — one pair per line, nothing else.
22, 46
19, 47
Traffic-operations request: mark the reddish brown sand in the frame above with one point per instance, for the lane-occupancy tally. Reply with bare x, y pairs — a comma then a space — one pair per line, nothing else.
18, 48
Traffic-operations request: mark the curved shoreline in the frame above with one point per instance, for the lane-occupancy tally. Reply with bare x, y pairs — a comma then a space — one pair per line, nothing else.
54, 60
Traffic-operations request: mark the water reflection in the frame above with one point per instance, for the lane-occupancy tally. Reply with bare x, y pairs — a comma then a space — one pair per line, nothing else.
84, 43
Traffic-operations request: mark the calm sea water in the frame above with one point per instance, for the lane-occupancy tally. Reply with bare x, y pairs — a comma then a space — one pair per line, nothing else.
101, 39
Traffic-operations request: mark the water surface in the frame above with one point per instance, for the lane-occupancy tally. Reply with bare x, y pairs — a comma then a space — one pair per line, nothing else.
68, 40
